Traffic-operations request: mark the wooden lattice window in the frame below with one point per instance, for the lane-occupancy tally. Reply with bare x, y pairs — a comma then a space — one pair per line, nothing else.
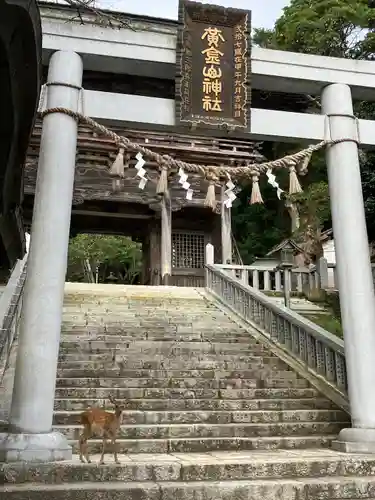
187, 250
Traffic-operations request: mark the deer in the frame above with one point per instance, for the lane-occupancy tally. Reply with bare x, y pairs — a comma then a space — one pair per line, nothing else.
100, 423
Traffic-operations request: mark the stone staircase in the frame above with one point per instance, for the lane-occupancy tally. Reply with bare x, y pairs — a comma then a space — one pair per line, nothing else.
211, 414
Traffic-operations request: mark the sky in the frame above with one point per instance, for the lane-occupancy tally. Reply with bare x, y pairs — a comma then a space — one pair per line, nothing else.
262, 17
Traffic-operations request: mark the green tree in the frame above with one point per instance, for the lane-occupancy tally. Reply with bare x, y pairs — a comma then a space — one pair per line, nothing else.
89, 252
336, 28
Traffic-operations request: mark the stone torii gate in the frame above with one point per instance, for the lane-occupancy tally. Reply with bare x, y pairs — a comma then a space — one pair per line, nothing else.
30, 435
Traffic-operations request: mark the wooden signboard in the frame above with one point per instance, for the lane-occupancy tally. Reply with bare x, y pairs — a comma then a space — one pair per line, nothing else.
213, 66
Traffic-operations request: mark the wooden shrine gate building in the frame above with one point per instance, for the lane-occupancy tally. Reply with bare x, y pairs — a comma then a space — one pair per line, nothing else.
213, 112
99, 206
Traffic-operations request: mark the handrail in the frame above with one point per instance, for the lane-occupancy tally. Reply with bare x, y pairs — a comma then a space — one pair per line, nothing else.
269, 278
311, 347
10, 308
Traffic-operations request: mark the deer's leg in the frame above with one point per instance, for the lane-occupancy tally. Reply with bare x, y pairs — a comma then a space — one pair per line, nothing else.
101, 462
81, 442
114, 447
83, 447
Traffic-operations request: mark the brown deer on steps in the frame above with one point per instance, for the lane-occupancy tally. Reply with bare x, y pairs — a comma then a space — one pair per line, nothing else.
100, 423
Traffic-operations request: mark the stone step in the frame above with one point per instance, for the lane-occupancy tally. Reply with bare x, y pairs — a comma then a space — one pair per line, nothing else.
80, 339
157, 324
201, 404
152, 295
184, 394
208, 374
178, 329
104, 302
147, 315
214, 361
186, 431
194, 467
173, 354
202, 445
251, 363
210, 417
177, 348
332, 488
185, 346
186, 384
113, 303
141, 305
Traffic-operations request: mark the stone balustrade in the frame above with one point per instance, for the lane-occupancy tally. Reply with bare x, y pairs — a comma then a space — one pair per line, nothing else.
271, 279
304, 279
10, 310
308, 347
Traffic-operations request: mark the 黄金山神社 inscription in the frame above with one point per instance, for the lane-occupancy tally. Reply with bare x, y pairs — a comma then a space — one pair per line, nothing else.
213, 66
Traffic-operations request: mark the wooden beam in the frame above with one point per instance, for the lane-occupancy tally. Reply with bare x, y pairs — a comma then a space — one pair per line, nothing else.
112, 215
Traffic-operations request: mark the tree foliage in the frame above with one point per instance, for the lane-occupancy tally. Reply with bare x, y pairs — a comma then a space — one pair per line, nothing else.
118, 254
336, 28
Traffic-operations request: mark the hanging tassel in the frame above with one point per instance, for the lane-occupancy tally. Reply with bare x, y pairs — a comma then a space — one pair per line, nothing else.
118, 167
294, 185
256, 196
210, 200
302, 168
162, 186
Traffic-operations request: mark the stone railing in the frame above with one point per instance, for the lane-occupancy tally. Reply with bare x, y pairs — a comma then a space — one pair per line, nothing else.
10, 308
271, 279
311, 350
303, 279
331, 279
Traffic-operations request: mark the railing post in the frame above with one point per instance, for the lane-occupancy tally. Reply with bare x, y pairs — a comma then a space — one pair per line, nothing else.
278, 281
287, 283
267, 281
210, 252
210, 260
245, 277
256, 279
322, 270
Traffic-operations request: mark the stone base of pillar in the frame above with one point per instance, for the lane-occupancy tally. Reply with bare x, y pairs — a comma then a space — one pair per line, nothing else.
355, 440
50, 447
166, 280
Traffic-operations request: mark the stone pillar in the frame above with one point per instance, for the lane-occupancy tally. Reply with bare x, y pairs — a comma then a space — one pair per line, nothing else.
166, 240
30, 424
353, 267
226, 231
